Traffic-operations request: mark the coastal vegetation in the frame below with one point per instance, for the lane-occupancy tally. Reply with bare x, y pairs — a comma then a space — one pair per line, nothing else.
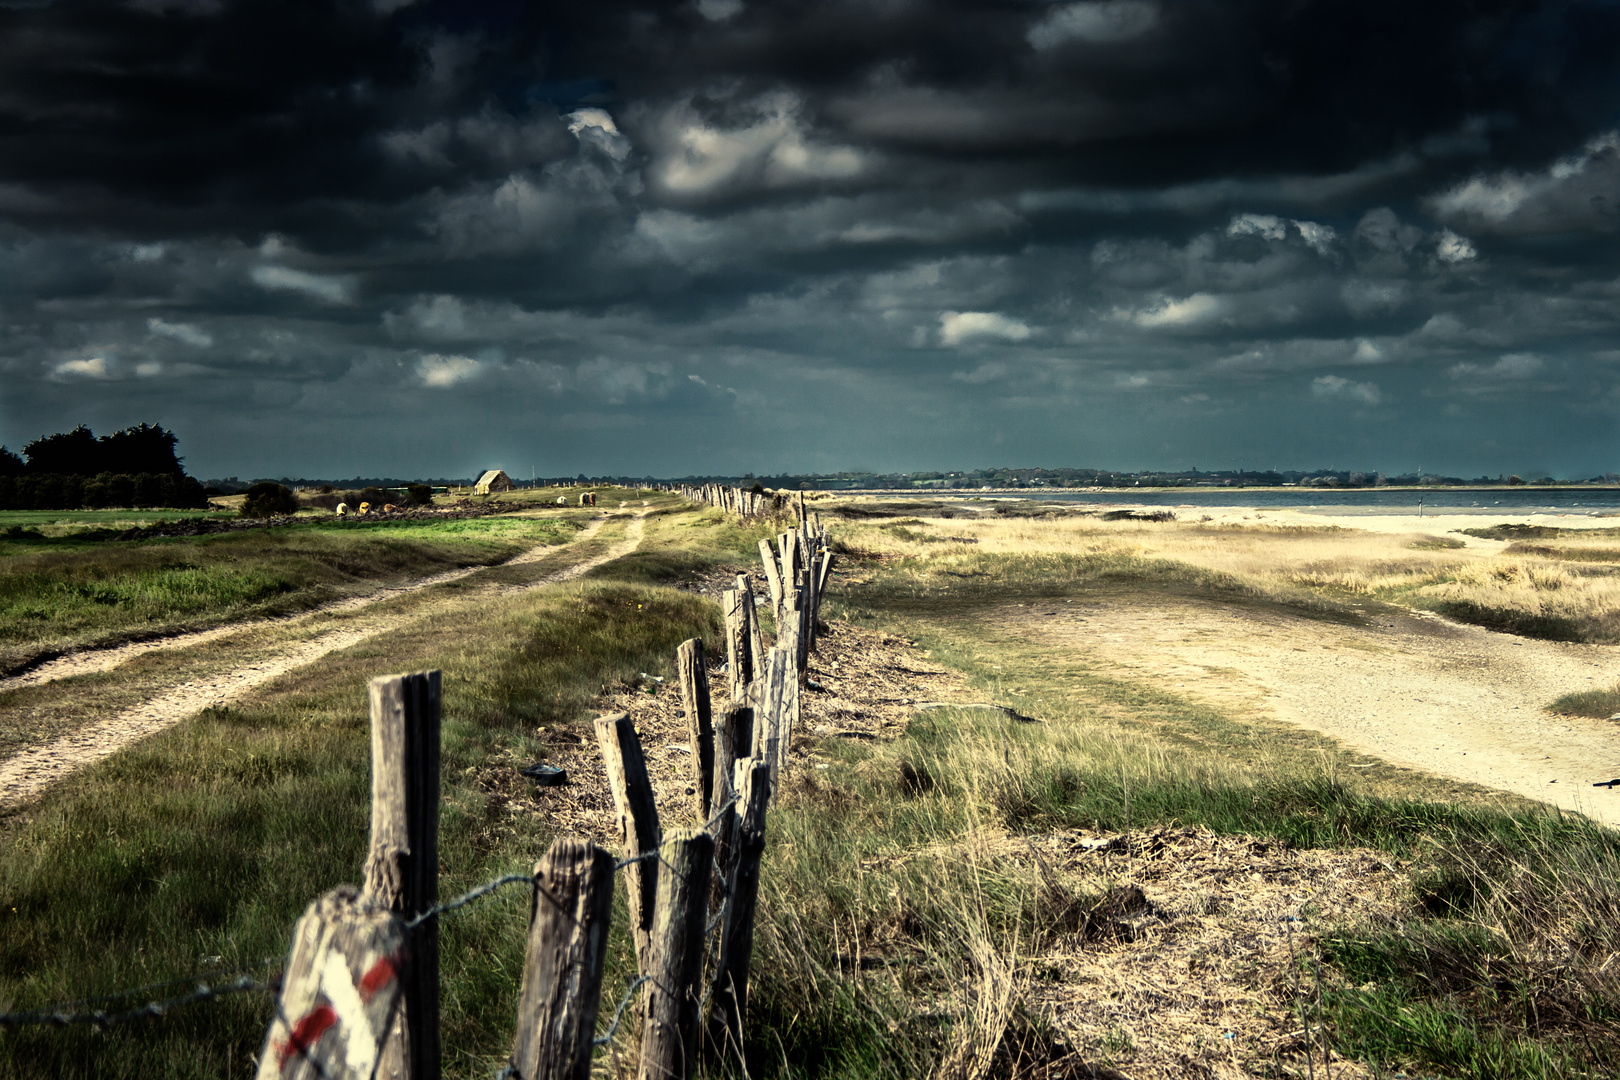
918, 917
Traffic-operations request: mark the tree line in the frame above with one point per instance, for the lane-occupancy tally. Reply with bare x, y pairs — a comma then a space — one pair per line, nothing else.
73, 470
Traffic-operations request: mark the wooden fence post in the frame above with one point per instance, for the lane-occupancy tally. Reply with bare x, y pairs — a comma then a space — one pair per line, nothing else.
562, 969
753, 785
340, 993
768, 717
773, 576
669, 1034
402, 866
739, 661
733, 729
638, 821
694, 671
756, 642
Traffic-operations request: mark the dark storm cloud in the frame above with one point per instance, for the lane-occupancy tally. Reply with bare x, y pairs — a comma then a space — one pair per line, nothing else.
395, 236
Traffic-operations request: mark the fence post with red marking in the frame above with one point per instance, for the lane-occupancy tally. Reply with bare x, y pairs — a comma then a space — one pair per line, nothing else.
562, 970
340, 995
402, 868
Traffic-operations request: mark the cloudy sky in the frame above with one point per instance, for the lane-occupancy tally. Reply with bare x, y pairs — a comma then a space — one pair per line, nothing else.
385, 237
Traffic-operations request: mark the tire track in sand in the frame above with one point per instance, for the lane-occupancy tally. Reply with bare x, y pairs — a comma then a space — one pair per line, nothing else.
91, 661
25, 775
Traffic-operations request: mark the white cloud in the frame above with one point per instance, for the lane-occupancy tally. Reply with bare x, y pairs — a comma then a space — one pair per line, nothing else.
773, 152
333, 290
442, 371
957, 327
1334, 386
147, 252
596, 127
992, 372
1319, 237
1097, 21
1197, 308
180, 332
93, 368
148, 368
1507, 366
1270, 227
1573, 192
1367, 353
1453, 248
719, 10
1263, 225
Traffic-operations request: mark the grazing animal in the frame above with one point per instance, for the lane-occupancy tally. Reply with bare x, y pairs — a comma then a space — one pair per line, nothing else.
365, 508
588, 499
562, 500
342, 509
389, 508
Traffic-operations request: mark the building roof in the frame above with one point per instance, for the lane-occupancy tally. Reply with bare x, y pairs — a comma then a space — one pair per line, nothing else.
491, 476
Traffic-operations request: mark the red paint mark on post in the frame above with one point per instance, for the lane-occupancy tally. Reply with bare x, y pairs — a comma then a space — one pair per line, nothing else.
379, 975
306, 1033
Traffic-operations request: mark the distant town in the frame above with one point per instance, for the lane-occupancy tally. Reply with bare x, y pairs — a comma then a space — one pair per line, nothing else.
981, 479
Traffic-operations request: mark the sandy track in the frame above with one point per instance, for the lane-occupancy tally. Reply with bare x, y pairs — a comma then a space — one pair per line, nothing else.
1414, 690
25, 775
89, 661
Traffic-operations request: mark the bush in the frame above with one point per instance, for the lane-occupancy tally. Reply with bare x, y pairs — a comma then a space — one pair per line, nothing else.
419, 494
267, 499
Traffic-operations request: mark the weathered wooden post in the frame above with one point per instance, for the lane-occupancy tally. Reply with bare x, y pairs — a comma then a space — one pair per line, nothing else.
823, 577
734, 729
638, 822
773, 576
756, 643
340, 994
768, 719
739, 662
669, 1033
402, 866
753, 785
562, 969
694, 671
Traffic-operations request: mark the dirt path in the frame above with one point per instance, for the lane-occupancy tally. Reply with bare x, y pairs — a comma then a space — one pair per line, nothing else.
25, 775
1414, 690
88, 661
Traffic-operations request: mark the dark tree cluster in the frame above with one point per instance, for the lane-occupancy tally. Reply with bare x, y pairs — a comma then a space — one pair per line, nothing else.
135, 467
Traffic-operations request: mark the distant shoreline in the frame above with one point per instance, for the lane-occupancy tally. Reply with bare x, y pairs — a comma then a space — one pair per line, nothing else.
1035, 493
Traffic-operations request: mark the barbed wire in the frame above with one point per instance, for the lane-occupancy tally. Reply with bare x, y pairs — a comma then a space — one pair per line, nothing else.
630, 860
618, 1014
719, 811
469, 897
101, 1019
184, 980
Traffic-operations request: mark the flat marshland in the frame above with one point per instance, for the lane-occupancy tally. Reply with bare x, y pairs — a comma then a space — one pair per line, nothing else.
1173, 861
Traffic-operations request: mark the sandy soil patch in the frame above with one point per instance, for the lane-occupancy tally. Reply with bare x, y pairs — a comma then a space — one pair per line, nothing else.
24, 775
1412, 689
1194, 974
868, 685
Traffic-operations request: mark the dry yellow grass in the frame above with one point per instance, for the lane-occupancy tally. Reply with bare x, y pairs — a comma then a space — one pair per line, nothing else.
1557, 590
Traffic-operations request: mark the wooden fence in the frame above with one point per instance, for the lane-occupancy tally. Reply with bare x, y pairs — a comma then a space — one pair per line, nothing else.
360, 996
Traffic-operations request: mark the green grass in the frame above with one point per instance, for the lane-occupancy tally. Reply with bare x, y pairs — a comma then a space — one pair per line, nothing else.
209, 840
1600, 704
882, 933
59, 523
70, 594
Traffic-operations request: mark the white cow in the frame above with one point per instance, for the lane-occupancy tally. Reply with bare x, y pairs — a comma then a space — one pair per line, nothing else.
562, 500
342, 509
